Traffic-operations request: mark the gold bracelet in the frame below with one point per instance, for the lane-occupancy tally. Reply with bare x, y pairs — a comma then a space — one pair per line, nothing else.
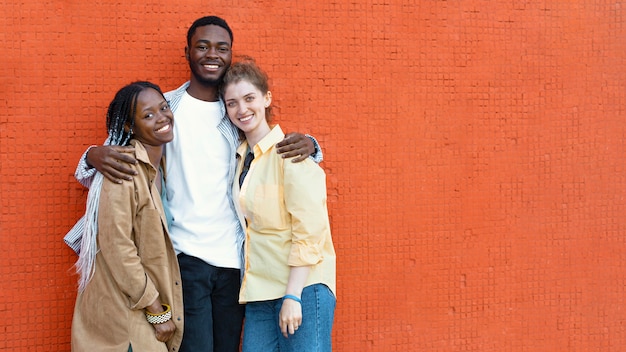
159, 318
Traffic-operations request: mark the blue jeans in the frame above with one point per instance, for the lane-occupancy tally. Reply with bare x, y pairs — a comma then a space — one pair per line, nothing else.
262, 333
213, 315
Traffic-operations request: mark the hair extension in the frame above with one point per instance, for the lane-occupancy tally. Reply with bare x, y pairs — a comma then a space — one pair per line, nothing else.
121, 113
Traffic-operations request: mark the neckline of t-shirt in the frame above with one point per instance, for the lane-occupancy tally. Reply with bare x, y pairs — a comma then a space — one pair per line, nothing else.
200, 101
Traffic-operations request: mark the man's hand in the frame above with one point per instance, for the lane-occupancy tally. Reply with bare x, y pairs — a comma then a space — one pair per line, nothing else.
111, 162
295, 145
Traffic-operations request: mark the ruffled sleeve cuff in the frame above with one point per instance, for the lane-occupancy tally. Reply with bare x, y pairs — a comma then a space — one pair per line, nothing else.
149, 295
305, 255
84, 173
318, 156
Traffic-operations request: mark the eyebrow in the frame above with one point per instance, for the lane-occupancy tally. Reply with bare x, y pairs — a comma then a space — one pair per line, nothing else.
160, 104
249, 94
204, 41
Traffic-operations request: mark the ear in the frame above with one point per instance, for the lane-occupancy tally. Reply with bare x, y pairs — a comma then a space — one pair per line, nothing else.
268, 99
127, 127
187, 53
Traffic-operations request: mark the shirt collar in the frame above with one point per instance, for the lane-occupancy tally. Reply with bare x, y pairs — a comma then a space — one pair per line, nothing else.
274, 136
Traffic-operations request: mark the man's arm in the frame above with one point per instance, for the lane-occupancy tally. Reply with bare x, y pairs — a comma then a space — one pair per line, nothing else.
84, 173
299, 146
112, 161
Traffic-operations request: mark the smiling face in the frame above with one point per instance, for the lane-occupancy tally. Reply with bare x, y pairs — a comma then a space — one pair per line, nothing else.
209, 54
154, 120
245, 105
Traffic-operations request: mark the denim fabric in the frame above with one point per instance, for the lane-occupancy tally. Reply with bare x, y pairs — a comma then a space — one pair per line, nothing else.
213, 315
262, 333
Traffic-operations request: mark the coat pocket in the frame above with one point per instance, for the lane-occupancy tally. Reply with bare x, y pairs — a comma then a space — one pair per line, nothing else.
150, 237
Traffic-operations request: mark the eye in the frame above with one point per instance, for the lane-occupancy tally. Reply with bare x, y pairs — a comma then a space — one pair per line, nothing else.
165, 107
230, 104
224, 49
250, 98
148, 116
201, 47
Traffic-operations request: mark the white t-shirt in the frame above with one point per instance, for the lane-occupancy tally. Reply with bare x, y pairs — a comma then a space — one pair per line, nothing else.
204, 224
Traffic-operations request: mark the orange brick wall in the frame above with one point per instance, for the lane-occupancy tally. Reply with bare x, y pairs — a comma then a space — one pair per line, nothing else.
474, 152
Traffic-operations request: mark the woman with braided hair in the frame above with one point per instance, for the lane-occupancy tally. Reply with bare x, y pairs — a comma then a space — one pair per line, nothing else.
130, 294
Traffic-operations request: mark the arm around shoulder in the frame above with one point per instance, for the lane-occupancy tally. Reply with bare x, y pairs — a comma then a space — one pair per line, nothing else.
84, 172
317, 156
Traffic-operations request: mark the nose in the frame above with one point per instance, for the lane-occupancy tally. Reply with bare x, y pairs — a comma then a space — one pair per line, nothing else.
211, 52
241, 107
165, 115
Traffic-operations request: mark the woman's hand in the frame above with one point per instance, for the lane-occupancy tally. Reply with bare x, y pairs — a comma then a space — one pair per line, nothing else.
164, 331
290, 317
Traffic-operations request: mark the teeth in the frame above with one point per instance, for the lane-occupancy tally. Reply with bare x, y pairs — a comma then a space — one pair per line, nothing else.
211, 67
246, 118
164, 128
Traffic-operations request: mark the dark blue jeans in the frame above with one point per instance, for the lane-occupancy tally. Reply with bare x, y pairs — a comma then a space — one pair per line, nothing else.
213, 315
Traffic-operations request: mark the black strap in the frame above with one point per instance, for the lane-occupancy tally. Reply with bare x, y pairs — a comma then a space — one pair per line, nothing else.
246, 167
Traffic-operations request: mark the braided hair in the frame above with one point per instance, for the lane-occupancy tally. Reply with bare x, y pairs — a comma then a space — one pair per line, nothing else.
122, 111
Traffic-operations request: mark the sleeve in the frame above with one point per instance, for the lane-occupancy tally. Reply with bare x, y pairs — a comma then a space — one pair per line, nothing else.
84, 173
117, 211
74, 236
305, 200
318, 156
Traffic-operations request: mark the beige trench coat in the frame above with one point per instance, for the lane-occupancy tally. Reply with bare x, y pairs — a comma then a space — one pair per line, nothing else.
136, 263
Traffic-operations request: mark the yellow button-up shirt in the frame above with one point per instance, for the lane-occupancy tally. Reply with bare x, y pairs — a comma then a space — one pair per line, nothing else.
284, 204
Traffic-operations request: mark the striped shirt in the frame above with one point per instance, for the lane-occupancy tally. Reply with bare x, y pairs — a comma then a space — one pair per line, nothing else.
84, 173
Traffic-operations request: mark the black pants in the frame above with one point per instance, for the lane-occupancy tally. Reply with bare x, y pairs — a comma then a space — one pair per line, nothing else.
213, 315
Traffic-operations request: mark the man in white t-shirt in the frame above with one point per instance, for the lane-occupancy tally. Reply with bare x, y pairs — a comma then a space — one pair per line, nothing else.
200, 170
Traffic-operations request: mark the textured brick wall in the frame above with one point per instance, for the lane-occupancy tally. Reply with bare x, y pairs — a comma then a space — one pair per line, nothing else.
474, 152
